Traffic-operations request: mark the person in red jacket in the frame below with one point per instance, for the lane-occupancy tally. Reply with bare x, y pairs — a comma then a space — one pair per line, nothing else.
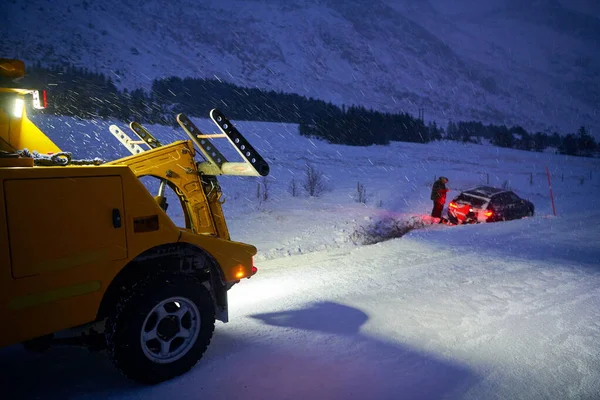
438, 195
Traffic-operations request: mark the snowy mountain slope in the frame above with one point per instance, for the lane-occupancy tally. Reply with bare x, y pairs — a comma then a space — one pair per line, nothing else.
546, 50
589, 7
506, 310
497, 61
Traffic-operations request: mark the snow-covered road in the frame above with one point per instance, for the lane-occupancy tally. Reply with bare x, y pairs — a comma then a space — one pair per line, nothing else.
440, 313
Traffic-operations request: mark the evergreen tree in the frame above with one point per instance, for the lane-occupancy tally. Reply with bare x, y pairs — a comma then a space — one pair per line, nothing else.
585, 142
569, 145
540, 141
451, 130
503, 138
434, 132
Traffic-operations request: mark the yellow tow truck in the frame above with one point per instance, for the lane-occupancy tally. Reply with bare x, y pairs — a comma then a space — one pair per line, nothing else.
87, 252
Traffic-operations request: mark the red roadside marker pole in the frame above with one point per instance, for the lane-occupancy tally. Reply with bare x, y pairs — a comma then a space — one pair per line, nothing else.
551, 195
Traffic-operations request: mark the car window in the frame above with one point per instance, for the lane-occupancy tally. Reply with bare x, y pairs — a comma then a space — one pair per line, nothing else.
513, 197
474, 201
500, 200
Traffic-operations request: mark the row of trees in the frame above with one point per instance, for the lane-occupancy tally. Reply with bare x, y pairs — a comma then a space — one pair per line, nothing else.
358, 126
82, 93
79, 92
579, 143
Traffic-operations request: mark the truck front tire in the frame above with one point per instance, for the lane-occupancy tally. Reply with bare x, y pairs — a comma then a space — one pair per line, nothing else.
160, 328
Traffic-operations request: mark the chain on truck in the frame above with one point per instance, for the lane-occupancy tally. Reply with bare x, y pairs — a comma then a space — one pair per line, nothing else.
89, 256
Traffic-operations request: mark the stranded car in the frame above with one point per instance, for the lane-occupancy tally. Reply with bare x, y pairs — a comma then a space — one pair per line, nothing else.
488, 204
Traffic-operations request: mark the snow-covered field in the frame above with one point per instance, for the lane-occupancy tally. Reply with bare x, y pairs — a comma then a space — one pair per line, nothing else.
493, 311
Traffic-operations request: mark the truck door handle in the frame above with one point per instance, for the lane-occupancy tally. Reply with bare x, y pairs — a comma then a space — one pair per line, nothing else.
116, 217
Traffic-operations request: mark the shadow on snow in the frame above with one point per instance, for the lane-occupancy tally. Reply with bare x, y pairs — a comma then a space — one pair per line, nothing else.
316, 352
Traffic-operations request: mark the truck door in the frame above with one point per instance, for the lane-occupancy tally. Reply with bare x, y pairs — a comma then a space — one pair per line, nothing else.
83, 223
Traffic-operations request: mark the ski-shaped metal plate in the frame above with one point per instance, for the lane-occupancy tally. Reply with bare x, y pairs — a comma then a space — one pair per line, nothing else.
132, 145
240, 143
144, 134
201, 141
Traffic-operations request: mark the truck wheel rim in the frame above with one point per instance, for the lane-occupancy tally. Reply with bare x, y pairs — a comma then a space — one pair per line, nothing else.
170, 330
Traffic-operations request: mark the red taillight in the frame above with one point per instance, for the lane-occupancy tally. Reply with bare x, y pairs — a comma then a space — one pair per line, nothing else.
40, 101
254, 270
488, 213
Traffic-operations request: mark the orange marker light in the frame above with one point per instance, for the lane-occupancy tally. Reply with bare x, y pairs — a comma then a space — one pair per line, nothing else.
239, 274
488, 213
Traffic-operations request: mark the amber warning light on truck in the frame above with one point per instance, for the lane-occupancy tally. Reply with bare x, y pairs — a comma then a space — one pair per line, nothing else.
18, 109
40, 102
242, 273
